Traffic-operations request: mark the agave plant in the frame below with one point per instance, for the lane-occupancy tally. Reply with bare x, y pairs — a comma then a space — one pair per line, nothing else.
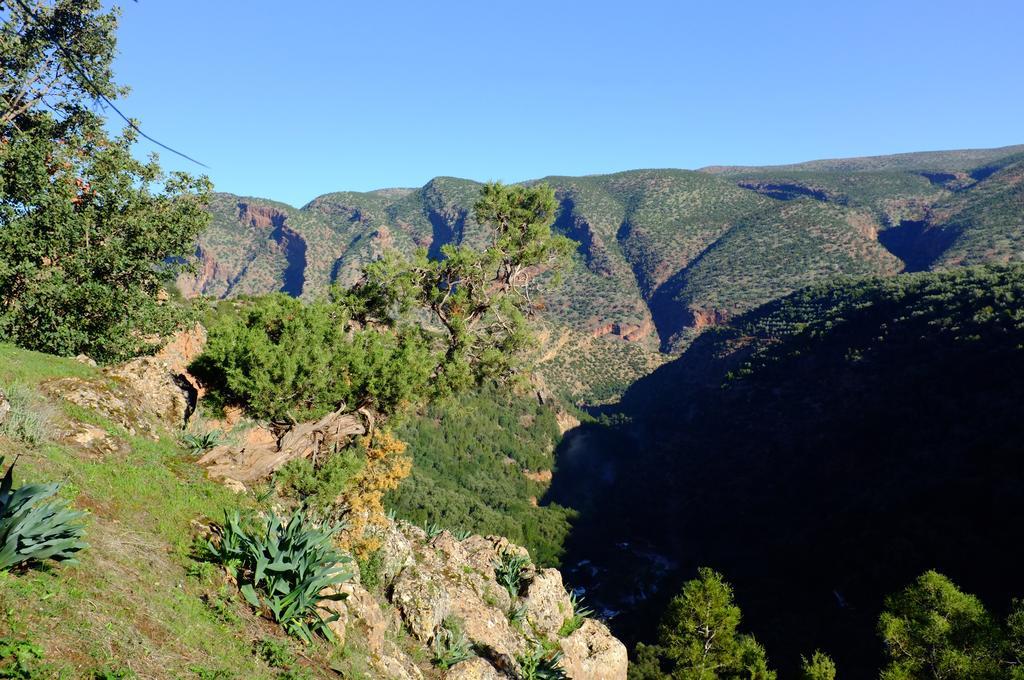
541, 664
284, 569
201, 443
580, 613
33, 529
510, 570
450, 645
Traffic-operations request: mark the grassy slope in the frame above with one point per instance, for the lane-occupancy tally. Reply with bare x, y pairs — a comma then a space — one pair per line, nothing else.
138, 601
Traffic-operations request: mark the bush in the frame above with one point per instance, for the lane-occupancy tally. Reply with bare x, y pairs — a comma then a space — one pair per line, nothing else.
32, 530
283, 569
580, 613
282, 359
320, 487
30, 419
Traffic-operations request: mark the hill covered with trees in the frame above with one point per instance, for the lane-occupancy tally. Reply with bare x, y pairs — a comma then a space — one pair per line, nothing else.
821, 451
662, 253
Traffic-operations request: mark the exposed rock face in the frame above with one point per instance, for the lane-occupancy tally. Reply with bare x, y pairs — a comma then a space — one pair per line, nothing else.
142, 395
473, 669
593, 653
547, 603
426, 581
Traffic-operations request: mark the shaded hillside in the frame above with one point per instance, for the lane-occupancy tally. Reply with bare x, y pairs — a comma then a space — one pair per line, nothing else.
821, 451
663, 253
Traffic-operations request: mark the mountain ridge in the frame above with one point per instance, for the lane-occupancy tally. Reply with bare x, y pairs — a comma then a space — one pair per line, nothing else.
663, 253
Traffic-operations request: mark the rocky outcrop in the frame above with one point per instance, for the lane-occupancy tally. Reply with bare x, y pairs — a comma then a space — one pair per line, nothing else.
592, 652
143, 395
424, 582
628, 332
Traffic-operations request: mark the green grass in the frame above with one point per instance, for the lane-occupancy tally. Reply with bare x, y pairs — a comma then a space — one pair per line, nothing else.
138, 600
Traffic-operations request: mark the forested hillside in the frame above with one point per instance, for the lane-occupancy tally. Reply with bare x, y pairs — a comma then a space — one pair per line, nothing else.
663, 253
821, 451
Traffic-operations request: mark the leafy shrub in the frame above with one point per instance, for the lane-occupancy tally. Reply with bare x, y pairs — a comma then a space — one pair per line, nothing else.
510, 570
541, 664
30, 418
370, 570
320, 487
274, 653
450, 645
20, 659
282, 569
281, 358
32, 530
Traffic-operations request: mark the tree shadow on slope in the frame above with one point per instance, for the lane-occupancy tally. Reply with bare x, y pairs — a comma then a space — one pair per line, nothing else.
820, 452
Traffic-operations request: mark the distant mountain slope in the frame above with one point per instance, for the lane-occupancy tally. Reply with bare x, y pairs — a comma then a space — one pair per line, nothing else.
821, 451
953, 160
663, 253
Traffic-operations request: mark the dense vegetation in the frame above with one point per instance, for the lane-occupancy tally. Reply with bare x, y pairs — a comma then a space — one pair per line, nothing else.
283, 359
471, 457
89, 235
662, 253
929, 630
869, 426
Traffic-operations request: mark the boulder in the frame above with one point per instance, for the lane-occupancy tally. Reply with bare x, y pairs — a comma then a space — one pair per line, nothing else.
161, 392
593, 653
143, 396
547, 603
423, 601
472, 669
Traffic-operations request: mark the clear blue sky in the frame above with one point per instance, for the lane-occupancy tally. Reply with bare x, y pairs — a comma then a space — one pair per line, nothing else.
292, 100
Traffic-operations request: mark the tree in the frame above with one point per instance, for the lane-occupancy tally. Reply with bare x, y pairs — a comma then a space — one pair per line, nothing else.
698, 637
1014, 653
933, 630
286, 360
89, 235
819, 667
481, 298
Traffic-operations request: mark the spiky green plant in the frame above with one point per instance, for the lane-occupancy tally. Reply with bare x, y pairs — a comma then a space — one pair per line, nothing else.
450, 645
540, 663
283, 569
201, 443
432, 530
510, 570
462, 534
517, 615
580, 613
33, 529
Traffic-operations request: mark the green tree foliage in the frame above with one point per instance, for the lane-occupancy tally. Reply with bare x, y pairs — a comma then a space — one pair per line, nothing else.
480, 296
819, 667
470, 454
698, 638
88, 234
284, 359
934, 631
1014, 650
